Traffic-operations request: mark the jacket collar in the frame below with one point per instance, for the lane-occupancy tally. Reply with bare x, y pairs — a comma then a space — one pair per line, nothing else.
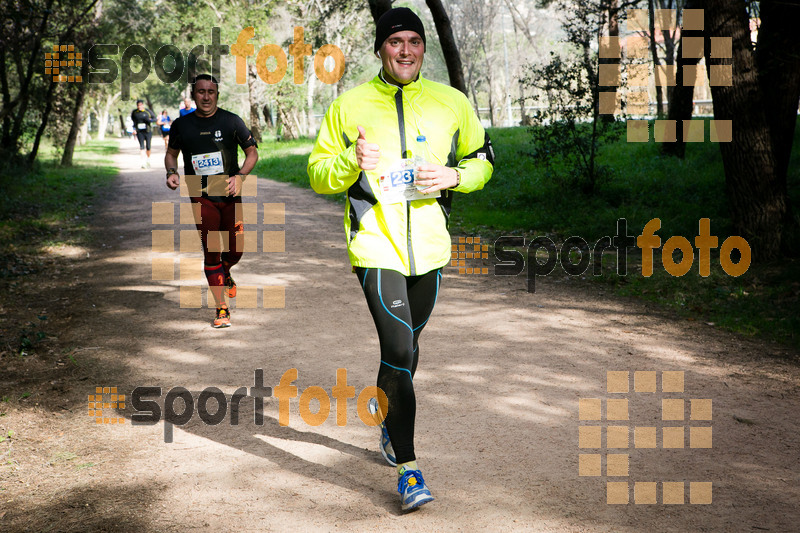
409, 89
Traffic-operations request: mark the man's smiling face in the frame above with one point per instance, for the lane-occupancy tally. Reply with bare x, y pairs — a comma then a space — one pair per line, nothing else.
402, 54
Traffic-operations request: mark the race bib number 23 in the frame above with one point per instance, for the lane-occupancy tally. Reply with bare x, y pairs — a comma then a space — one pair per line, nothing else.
397, 184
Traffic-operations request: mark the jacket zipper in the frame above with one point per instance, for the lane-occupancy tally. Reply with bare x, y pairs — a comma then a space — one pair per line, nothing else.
398, 101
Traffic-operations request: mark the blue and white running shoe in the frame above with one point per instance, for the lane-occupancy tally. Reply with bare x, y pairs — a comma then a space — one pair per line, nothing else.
413, 491
385, 444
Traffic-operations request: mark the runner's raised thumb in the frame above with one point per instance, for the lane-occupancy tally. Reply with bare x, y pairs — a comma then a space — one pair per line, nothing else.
362, 133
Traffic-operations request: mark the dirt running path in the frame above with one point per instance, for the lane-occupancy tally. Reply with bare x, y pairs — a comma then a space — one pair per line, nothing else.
498, 387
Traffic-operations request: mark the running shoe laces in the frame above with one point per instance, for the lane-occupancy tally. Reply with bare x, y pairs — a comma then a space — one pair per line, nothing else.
223, 319
413, 491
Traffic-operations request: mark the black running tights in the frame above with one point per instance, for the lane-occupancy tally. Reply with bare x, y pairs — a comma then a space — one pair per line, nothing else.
400, 306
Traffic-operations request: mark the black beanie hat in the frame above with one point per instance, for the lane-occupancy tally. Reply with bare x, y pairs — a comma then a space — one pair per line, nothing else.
395, 20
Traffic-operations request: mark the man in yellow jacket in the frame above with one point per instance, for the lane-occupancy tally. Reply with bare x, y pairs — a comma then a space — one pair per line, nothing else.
399, 146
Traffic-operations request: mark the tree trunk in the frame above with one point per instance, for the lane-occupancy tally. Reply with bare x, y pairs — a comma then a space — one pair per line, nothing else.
48, 107
451, 56
378, 8
8, 104
588, 187
681, 98
339, 88
298, 128
268, 116
83, 134
492, 119
489, 78
654, 52
522, 25
477, 107
593, 75
669, 40
24, 91
77, 119
474, 92
490, 91
289, 124
102, 123
311, 125
524, 119
778, 61
758, 201
255, 123
613, 31
104, 115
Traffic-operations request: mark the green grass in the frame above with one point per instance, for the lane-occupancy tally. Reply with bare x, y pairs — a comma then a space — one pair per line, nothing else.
42, 209
763, 302
45, 206
527, 198
284, 161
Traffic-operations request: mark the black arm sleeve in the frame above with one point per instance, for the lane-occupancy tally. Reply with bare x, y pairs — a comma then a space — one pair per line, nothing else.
485, 152
243, 135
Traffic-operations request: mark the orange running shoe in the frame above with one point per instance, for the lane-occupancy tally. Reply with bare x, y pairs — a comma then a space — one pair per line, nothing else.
231, 290
223, 319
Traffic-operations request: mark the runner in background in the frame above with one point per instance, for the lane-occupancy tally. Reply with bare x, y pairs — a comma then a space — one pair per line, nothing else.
142, 118
186, 107
209, 139
164, 123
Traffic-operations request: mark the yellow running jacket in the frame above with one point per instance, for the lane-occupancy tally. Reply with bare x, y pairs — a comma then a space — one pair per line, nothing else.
410, 237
